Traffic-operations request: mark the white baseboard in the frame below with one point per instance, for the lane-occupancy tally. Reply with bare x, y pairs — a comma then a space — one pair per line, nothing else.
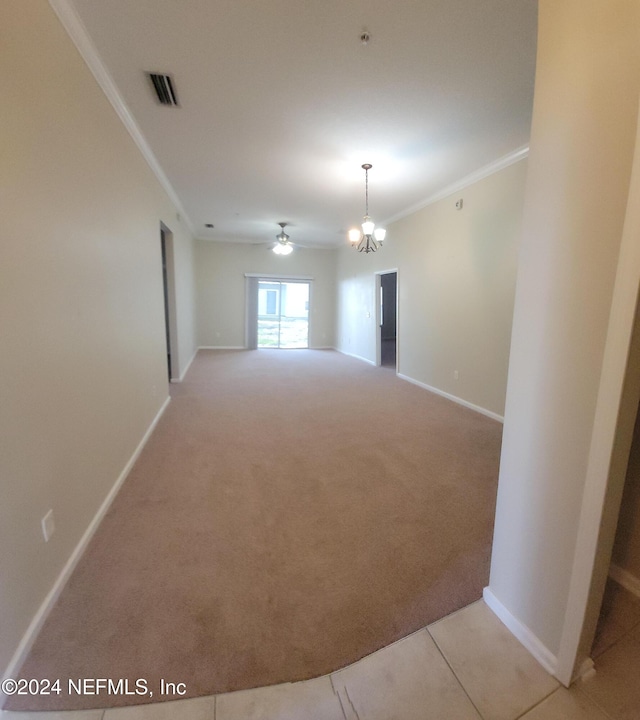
357, 357
626, 579
184, 372
222, 347
453, 398
242, 347
436, 391
539, 651
41, 615
586, 671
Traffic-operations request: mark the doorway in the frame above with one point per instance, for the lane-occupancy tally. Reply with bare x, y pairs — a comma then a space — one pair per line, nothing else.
615, 639
168, 285
387, 325
613, 613
283, 314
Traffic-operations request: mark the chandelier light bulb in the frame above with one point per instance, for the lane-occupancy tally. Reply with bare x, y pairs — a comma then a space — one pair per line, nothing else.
379, 234
354, 236
367, 226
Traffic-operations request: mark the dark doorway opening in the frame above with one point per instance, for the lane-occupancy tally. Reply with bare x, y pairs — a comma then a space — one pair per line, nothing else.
388, 320
165, 284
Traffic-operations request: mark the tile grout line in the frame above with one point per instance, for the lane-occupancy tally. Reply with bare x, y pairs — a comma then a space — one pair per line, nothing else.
546, 697
353, 707
535, 705
336, 692
594, 701
399, 640
618, 641
519, 717
464, 689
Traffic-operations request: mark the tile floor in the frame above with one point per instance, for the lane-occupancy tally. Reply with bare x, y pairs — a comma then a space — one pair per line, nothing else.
466, 666
616, 652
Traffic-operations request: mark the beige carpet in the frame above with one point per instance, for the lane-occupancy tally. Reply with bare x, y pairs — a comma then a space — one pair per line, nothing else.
293, 511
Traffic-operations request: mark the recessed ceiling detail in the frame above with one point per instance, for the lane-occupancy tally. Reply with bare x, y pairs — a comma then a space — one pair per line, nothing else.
163, 85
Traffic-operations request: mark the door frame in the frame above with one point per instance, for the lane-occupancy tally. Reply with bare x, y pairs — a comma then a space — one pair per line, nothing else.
378, 317
616, 407
169, 294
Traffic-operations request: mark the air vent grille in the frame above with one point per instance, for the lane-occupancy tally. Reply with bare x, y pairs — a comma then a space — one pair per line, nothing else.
163, 85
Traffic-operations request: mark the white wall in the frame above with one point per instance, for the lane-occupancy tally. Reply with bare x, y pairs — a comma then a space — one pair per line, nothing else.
456, 284
221, 269
83, 359
581, 152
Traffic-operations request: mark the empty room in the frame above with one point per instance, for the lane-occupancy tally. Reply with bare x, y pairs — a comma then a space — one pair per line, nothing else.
321, 360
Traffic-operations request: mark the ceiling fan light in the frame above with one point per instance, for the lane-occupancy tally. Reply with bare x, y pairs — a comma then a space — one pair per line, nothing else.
380, 234
283, 246
367, 226
354, 236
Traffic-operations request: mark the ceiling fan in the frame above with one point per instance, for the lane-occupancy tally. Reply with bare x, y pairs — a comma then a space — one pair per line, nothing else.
284, 246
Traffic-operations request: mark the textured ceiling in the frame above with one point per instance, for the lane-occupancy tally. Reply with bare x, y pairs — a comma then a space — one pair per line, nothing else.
281, 103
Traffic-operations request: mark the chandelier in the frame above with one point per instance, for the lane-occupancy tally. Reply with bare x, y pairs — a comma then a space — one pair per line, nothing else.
370, 238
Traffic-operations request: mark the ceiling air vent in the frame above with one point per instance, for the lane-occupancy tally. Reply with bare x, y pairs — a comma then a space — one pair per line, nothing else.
163, 86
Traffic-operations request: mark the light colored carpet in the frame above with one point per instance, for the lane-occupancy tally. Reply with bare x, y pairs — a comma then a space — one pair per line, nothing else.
292, 512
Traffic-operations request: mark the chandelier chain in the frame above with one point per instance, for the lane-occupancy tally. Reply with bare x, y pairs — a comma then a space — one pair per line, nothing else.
366, 191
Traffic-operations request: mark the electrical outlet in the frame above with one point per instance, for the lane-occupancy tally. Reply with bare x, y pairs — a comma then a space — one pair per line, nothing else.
456, 375
48, 526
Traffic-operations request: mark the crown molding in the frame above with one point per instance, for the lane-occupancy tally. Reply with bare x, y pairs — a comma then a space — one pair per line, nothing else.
484, 172
80, 37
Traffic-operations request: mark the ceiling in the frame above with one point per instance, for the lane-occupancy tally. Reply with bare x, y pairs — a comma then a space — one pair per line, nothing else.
280, 103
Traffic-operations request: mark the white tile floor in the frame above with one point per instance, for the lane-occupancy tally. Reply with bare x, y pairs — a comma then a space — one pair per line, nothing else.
464, 667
